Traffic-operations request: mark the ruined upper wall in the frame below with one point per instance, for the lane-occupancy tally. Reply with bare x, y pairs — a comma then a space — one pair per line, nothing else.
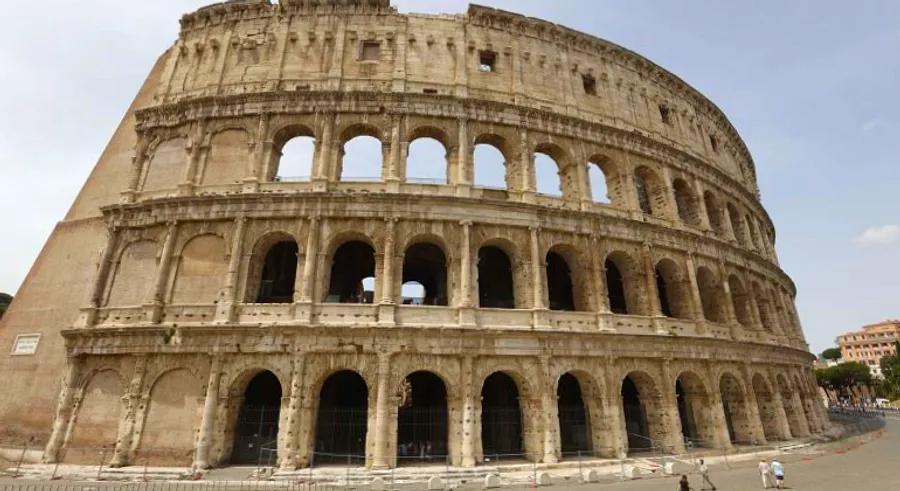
248, 46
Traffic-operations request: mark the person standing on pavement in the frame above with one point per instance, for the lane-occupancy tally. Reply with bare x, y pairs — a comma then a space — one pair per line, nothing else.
704, 474
764, 473
778, 470
684, 484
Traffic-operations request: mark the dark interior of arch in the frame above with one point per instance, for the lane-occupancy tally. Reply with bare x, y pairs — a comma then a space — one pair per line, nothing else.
342, 419
257, 425
686, 414
643, 194
352, 263
278, 274
635, 417
426, 264
495, 279
662, 290
501, 418
559, 283
574, 419
713, 213
615, 288
422, 419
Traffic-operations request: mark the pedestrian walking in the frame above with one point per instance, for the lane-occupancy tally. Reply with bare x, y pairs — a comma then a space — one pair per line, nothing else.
764, 471
684, 484
778, 470
704, 475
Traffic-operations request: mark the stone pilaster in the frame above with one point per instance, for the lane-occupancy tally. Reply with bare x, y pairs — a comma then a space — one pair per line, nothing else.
303, 309
228, 295
550, 410
208, 418
468, 413
382, 456
132, 415
153, 311
64, 410
289, 456
388, 302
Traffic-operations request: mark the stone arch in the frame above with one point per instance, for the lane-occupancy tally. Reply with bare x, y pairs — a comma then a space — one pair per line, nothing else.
740, 299
807, 400
134, 273
356, 166
342, 416
560, 278
673, 289
502, 425
694, 403
686, 202
500, 283
643, 411
710, 295
650, 191
714, 213
172, 418
166, 164
613, 189
294, 151
734, 406
270, 277
424, 143
96, 423
574, 414
768, 410
228, 157
256, 403
423, 417
566, 173
425, 261
763, 306
485, 163
737, 224
351, 262
792, 407
200, 270
623, 284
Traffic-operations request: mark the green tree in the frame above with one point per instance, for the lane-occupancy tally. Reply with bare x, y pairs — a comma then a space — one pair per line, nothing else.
890, 369
832, 354
5, 300
843, 376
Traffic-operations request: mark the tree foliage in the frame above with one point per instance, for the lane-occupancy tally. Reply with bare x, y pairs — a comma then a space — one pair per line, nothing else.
844, 375
890, 369
832, 354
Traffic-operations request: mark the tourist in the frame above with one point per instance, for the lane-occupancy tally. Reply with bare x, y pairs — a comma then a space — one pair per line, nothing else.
704, 474
683, 484
778, 470
764, 473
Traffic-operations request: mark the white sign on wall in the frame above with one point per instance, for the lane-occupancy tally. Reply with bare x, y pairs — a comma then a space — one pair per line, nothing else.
26, 344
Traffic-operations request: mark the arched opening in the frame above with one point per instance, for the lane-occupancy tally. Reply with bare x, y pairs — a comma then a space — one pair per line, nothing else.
768, 410
426, 265
674, 299
735, 408
422, 419
501, 418
615, 288
547, 170
636, 426
495, 279
713, 213
751, 228
763, 307
279, 271
737, 225
352, 266
709, 295
257, 425
427, 161
342, 419
362, 159
643, 194
296, 159
490, 167
686, 202
559, 283
791, 403
693, 411
740, 300
599, 183
574, 419
412, 293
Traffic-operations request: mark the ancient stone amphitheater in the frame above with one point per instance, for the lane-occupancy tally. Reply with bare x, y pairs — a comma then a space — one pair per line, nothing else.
201, 305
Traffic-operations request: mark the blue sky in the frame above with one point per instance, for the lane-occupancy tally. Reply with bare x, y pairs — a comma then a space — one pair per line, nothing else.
811, 85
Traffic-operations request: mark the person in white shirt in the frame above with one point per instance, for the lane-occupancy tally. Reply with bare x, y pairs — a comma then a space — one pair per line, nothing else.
764, 473
778, 470
704, 474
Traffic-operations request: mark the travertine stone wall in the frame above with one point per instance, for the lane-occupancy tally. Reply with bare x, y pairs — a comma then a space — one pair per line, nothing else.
145, 295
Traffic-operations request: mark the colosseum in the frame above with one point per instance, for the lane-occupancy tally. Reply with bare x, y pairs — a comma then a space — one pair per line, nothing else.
206, 297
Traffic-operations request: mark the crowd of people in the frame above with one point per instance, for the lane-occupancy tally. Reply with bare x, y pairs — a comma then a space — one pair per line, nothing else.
771, 473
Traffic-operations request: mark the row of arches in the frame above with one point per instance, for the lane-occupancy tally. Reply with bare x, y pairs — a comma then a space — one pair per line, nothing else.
584, 419
362, 152
501, 276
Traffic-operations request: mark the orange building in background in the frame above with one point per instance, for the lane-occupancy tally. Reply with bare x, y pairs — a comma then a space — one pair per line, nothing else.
870, 344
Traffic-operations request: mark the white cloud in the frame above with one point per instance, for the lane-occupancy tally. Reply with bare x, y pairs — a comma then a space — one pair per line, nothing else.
871, 125
887, 234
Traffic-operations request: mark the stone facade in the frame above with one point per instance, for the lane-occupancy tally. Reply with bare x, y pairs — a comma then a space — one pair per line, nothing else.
663, 312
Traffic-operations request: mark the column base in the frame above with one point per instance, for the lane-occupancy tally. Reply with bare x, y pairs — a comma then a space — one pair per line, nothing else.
225, 313
250, 185
303, 312
392, 185
540, 318
185, 189
467, 317
127, 197
659, 326
153, 313
464, 190
386, 315
87, 317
